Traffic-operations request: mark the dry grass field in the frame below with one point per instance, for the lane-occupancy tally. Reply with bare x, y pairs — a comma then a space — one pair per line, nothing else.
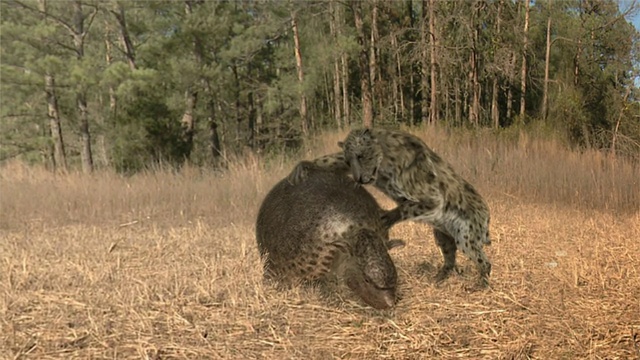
164, 265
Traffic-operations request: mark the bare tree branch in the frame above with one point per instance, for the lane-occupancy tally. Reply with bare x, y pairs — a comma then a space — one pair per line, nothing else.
45, 13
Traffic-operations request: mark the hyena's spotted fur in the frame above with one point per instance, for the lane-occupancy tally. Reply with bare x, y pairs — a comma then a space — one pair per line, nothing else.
425, 187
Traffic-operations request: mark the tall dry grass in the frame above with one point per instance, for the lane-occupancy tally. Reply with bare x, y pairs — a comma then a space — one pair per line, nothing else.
542, 170
33, 195
163, 265
528, 169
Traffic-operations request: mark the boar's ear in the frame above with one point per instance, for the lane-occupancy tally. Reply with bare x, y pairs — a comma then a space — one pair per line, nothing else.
393, 243
341, 144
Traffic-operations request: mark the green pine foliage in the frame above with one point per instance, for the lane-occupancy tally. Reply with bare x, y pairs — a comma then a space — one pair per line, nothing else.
202, 81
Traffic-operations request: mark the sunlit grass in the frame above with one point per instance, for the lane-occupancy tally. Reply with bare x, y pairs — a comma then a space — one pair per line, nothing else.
163, 264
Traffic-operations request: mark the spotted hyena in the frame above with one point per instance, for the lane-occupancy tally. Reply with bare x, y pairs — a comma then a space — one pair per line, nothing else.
328, 228
425, 187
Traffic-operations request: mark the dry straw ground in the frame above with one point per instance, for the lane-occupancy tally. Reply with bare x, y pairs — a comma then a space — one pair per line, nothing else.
164, 265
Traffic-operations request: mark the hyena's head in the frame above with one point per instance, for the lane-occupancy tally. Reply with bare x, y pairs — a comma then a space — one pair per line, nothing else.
364, 155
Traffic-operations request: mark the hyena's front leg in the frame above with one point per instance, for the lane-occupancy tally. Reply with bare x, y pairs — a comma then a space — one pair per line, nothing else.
334, 162
427, 211
299, 172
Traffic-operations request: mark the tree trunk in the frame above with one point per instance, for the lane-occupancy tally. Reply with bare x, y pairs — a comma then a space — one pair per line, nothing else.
424, 63
415, 83
434, 108
298, 56
458, 103
474, 106
346, 109
125, 39
85, 151
495, 111
81, 97
58, 156
398, 112
365, 84
545, 91
495, 115
576, 63
53, 112
113, 102
252, 120
78, 32
337, 98
188, 121
345, 90
109, 121
47, 152
236, 93
214, 136
510, 89
447, 98
523, 78
373, 68
614, 138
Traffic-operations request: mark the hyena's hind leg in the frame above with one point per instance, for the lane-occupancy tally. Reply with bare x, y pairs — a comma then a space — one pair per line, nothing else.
448, 248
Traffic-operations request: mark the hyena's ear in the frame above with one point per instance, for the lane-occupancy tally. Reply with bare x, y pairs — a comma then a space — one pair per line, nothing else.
341, 144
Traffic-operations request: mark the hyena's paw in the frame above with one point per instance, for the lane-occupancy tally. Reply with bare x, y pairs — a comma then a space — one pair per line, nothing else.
299, 173
443, 273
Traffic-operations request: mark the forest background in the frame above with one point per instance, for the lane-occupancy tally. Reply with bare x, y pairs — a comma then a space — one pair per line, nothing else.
534, 103
130, 84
